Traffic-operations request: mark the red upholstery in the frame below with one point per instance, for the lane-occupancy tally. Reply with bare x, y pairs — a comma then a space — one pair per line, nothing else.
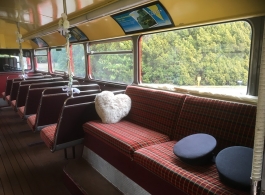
229, 122
13, 104
32, 121
47, 134
8, 98
20, 111
124, 135
154, 112
155, 109
192, 179
3, 94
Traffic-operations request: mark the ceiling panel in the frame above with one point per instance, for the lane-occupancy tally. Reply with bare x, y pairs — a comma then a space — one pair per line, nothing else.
35, 13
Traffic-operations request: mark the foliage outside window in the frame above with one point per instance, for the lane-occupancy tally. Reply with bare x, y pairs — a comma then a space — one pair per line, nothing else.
79, 60
212, 58
41, 60
59, 59
112, 61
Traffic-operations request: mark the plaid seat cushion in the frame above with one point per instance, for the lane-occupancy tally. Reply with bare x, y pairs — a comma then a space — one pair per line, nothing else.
229, 122
20, 111
3, 95
8, 98
32, 121
124, 135
191, 179
154, 109
47, 134
13, 103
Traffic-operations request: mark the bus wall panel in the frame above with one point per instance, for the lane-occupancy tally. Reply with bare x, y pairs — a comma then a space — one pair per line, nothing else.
54, 39
101, 28
194, 12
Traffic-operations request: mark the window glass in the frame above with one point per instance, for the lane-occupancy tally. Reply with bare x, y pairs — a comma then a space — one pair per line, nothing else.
212, 58
10, 61
115, 64
58, 59
41, 52
41, 60
79, 60
42, 63
111, 46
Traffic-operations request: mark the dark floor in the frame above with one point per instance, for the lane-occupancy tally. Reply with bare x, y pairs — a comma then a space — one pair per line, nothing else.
3, 103
24, 169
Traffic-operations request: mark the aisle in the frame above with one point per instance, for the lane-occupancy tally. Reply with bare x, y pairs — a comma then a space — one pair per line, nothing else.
28, 170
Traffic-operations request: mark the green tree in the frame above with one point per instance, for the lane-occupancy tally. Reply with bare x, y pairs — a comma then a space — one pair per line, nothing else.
219, 54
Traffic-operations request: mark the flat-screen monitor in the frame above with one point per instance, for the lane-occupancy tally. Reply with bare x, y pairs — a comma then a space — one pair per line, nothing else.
77, 35
150, 16
40, 42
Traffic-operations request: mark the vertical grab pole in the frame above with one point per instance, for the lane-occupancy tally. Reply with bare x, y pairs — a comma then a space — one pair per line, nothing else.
259, 128
63, 28
20, 40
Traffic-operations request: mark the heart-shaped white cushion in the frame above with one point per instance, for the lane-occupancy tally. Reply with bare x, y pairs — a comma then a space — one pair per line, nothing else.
112, 108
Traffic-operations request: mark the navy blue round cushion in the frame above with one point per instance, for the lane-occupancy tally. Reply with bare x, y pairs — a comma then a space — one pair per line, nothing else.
234, 166
195, 149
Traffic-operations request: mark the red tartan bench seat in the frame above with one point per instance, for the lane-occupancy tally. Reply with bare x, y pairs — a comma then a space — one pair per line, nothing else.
145, 125
13, 104
125, 136
156, 121
191, 179
20, 111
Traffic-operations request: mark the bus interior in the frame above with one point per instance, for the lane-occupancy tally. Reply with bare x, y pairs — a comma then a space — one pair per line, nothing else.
166, 70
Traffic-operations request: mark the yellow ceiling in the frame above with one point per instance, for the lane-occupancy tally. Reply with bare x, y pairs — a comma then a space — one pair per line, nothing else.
39, 18
35, 13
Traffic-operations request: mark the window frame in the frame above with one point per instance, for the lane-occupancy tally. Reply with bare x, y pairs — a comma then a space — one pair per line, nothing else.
255, 23
91, 53
36, 55
85, 58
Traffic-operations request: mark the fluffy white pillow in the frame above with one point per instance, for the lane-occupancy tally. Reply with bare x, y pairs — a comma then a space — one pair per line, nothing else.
112, 108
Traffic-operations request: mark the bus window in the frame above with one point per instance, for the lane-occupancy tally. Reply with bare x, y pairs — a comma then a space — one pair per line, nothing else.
112, 61
59, 59
213, 58
10, 61
41, 60
78, 55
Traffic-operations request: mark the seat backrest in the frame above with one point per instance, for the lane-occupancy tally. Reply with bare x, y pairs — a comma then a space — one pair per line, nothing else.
80, 99
8, 86
16, 84
155, 109
87, 87
22, 95
33, 95
30, 78
87, 92
49, 109
75, 85
44, 85
9, 81
71, 119
32, 74
83, 98
230, 123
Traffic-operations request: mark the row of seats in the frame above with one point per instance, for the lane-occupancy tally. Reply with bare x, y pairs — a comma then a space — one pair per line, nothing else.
42, 102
